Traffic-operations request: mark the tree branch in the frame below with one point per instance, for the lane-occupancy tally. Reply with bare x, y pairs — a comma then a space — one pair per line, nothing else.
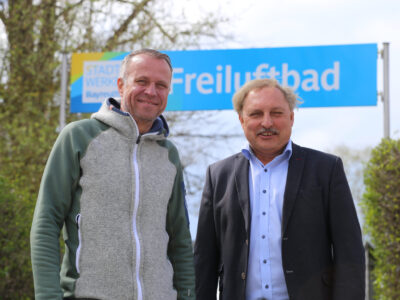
66, 10
134, 38
124, 25
160, 27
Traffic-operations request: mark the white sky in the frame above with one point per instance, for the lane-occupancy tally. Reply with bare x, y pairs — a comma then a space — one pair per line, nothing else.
286, 23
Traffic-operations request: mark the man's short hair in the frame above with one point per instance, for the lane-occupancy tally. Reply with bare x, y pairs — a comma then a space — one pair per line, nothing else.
240, 96
151, 52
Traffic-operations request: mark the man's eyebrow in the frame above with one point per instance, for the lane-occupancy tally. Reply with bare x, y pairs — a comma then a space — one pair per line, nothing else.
254, 110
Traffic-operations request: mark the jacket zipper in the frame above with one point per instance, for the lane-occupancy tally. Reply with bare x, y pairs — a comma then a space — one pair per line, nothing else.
134, 226
78, 250
135, 210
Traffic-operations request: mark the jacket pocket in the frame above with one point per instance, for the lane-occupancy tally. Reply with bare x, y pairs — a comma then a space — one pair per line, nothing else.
327, 278
78, 249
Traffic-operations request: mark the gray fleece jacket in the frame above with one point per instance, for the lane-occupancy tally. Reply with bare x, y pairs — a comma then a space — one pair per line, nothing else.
119, 198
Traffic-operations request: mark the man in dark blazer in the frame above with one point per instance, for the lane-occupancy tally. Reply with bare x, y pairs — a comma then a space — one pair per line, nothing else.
277, 221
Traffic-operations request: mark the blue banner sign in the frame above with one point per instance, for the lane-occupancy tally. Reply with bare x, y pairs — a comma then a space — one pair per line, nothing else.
322, 76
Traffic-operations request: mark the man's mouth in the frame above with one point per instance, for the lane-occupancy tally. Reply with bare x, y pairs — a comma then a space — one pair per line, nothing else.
147, 101
268, 132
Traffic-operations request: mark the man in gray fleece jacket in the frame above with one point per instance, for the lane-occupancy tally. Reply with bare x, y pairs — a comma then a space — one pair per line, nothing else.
114, 184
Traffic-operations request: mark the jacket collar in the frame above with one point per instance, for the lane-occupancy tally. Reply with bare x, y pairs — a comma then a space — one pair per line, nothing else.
294, 176
296, 166
241, 171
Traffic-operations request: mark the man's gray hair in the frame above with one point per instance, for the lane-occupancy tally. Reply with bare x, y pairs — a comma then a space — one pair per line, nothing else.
151, 52
240, 96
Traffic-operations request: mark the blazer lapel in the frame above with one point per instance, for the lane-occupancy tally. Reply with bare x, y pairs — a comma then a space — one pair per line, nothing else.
241, 170
295, 170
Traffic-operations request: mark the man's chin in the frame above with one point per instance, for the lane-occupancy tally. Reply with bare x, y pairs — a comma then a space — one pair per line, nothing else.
145, 118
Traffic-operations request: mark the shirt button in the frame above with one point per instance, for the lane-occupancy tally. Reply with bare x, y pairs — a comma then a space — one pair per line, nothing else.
264, 261
266, 286
263, 213
265, 170
264, 191
243, 275
263, 236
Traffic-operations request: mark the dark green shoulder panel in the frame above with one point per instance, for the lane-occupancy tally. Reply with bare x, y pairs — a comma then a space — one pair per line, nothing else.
173, 154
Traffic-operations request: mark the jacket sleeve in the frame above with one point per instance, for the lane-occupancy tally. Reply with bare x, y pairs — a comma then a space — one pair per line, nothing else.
206, 255
180, 251
60, 174
348, 250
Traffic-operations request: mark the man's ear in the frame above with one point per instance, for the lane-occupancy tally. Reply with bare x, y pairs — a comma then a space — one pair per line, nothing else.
292, 117
120, 84
240, 115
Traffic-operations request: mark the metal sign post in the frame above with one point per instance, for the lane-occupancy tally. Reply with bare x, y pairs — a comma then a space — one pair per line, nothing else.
385, 96
63, 97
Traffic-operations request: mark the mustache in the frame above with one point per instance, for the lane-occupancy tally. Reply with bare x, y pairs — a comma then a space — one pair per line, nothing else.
268, 130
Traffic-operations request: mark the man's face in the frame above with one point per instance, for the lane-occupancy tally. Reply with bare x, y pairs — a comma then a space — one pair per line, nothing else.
144, 91
267, 122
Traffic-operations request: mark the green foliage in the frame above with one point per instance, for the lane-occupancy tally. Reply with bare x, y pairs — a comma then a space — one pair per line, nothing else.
381, 206
28, 117
15, 268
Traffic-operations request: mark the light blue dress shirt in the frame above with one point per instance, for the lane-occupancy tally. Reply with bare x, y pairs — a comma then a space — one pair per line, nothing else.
265, 278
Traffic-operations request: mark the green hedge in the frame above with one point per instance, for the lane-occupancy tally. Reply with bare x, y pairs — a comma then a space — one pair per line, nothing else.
15, 222
381, 206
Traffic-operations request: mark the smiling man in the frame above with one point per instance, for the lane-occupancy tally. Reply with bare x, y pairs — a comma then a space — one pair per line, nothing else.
277, 221
115, 184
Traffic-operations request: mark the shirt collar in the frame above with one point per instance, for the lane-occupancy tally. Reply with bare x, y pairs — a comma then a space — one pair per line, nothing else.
286, 154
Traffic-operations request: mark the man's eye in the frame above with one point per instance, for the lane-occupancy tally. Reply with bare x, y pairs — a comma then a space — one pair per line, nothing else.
162, 85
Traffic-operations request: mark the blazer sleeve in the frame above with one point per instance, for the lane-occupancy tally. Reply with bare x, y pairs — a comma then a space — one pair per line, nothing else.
348, 250
206, 254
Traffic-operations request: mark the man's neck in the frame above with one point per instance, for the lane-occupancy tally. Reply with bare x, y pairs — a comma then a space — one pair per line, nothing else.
266, 158
144, 127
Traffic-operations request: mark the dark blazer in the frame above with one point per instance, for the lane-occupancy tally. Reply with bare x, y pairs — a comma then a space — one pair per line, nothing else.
322, 250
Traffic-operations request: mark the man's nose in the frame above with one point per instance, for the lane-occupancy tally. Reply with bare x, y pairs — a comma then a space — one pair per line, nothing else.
266, 121
151, 89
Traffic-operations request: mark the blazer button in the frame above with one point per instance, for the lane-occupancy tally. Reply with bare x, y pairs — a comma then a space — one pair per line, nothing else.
243, 275
247, 242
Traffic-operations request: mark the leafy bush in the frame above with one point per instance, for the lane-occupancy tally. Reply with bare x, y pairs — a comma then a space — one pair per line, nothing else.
15, 267
381, 206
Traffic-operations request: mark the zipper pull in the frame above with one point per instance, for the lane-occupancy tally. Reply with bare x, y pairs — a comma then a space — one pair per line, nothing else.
77, 220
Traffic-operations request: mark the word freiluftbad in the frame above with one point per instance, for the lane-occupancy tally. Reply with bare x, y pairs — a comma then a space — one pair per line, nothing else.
226, 80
